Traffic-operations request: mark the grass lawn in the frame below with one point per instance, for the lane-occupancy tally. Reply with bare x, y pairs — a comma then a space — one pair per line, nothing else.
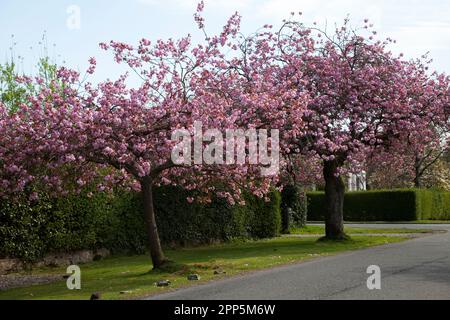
358, 230
394, 222
131, 273
431, 222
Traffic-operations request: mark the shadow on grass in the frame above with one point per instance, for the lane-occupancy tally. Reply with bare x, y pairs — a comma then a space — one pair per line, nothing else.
345, 238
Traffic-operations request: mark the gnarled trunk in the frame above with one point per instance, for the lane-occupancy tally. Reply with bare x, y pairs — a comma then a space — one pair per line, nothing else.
156, 252
334, 198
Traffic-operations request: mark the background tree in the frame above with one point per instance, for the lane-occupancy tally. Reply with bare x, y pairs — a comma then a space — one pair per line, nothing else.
361, 97
407, 165
14, 89
418, 151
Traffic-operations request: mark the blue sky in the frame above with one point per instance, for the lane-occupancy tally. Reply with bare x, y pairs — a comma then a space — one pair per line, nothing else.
418, 26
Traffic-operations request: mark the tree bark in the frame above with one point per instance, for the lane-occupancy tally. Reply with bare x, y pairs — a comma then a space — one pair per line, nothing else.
156, 252
417, 183
417, 174
285, 220
334, 198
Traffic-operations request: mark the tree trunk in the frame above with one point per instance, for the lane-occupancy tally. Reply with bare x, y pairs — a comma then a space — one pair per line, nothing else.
417, 183
285, 220
156, 252
417, 174
369, 173
334, 198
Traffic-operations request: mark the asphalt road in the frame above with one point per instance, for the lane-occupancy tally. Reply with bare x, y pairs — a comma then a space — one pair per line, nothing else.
415, 269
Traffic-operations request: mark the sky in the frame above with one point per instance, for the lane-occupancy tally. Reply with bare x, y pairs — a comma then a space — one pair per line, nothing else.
74, 28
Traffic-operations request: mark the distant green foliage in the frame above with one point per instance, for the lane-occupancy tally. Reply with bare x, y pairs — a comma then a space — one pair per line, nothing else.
13, 93
386, 205
31, 229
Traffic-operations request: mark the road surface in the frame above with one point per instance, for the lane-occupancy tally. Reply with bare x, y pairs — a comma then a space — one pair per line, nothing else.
415, 269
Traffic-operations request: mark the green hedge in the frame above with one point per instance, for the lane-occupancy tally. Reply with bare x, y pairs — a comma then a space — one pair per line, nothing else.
433, 205
293, 207
386, 205
29, 230
259, 218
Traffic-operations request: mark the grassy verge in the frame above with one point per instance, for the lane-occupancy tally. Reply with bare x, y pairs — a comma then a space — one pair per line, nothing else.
393, 222
131, 274
358, 230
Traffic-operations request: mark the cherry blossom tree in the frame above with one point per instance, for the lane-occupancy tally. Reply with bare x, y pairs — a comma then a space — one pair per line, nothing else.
68, 131
420, 149
406, 164
362, 97
334, 97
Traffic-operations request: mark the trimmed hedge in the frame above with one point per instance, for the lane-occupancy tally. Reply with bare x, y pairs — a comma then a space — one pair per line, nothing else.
260, 219
386, 205
29, 230
433, 205
293, 207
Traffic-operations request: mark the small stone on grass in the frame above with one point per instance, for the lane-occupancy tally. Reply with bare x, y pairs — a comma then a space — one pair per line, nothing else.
163, 283
219, 272
125, 292
193, 277
96, 296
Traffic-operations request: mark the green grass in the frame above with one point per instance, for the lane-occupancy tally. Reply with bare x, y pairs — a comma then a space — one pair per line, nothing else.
431, 222
394, 222
357, 230
131, 273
